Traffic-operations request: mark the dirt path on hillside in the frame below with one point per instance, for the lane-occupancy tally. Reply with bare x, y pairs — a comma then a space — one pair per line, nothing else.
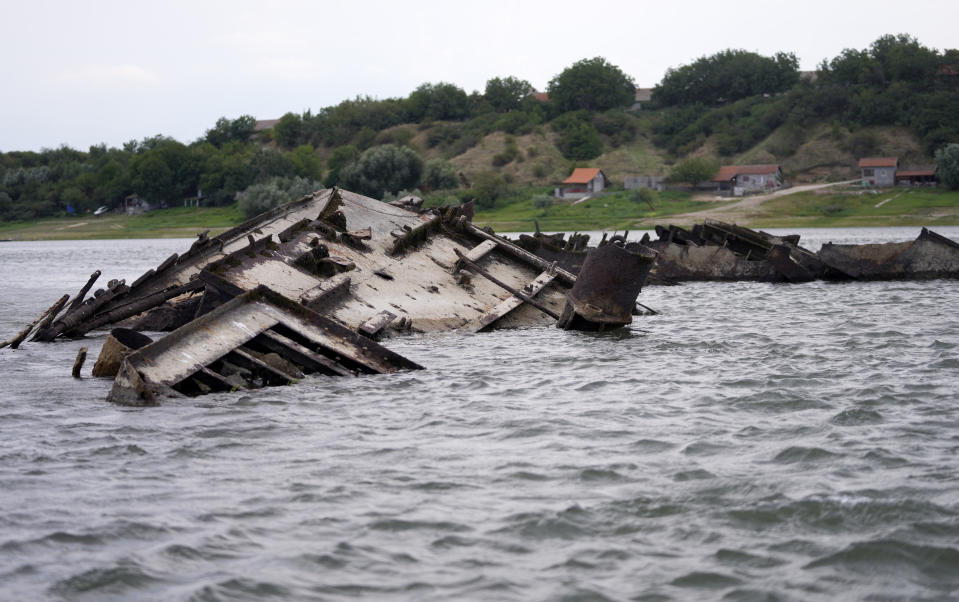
737, 212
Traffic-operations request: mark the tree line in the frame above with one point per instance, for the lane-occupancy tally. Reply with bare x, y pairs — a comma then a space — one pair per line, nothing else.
733, 97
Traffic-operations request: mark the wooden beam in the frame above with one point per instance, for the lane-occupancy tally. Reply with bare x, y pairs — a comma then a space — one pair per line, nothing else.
486, 321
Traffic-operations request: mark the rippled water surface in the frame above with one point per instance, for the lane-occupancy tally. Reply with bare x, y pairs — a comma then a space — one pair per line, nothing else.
751, 442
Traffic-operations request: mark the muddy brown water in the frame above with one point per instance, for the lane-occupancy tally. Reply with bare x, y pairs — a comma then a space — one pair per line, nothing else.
751, 442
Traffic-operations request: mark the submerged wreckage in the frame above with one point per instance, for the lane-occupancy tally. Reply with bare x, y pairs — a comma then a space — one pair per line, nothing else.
309, 287
718, 251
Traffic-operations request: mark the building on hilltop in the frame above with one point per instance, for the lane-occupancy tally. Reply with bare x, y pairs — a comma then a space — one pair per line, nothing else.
584, 181
879, 171
742, 179
641, 97
264, 124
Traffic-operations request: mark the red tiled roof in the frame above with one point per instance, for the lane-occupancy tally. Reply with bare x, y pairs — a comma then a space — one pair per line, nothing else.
728, 172
541, 96
916, 173
879, 162
582, 175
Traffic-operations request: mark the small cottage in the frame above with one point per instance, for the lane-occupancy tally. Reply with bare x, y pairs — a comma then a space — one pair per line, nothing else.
657, 183
742, 179
879, 171
582, 182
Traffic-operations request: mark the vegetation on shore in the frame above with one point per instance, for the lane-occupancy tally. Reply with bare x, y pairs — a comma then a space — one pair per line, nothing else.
505, 145
519, 212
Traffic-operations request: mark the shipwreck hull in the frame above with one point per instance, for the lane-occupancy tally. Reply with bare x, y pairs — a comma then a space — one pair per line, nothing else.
929, 256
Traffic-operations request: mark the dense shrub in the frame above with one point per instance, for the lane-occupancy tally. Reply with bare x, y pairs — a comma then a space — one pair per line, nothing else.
947, 160
439, 174
266, 195
382, 169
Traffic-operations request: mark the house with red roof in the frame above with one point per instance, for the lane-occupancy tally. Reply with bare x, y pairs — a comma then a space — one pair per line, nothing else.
879, 171
741, 179
584, 181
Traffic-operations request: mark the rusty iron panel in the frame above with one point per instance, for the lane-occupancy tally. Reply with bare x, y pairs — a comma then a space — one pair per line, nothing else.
608, 284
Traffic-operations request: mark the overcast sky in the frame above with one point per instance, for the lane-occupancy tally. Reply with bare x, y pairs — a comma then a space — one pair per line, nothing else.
82, 73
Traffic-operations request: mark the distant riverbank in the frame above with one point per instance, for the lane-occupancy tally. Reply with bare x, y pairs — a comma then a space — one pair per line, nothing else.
801, 209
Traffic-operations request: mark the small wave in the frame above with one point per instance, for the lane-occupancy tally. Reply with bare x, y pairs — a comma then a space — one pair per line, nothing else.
395, 524
745, 559
706, 580
938, 564
798, 454
693, 475
652, 446
120, 450
241, 589
107, 581
599, 474
856, 417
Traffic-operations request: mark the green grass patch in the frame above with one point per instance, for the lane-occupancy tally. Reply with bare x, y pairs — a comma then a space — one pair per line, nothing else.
612, 212
886, 207
180, 222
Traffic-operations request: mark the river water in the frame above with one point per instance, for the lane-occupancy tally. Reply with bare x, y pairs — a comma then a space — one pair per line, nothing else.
751, 442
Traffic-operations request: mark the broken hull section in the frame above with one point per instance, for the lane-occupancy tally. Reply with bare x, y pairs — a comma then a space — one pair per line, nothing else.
259, 338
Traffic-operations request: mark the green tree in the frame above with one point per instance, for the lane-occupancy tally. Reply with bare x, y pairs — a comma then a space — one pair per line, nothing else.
266, 164
947, 160
339, 158
726, 76
693, 170
306, 163
264, 196
437, 101
488, 187
439, 174
591, 84
227, 130
580, 142
288, 130
386, 168
6, 204
507, 94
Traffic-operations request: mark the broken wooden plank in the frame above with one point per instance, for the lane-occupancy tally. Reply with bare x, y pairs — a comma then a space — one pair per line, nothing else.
78, 363
475, 254
506, 287
327, 292
85, 311
253, 364
298, 354
372, 327
78, 299
18, 338
520, 253
415, 236
134, 307
487, 320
